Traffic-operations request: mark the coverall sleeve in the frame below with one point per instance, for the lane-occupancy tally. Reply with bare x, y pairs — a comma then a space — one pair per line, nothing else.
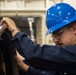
33, 71
46, 56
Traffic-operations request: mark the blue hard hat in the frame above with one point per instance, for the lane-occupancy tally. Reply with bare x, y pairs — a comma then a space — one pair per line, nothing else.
58, 16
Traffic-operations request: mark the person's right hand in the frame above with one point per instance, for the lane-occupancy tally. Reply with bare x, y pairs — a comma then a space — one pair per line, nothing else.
10, 23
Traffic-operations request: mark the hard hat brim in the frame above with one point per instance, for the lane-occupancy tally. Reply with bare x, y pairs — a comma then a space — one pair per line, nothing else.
56, 27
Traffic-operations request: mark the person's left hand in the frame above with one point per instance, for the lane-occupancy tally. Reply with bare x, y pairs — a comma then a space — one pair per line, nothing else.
20, 63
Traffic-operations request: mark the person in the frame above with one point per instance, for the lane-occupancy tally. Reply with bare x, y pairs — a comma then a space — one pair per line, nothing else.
61, 23
26, 71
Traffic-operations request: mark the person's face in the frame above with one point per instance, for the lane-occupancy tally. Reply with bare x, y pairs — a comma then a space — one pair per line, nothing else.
65, 36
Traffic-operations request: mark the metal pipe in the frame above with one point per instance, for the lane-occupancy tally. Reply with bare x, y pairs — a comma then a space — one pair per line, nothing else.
30, 21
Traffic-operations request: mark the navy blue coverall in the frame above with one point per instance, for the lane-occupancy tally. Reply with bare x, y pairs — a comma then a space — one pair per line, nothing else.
46, 57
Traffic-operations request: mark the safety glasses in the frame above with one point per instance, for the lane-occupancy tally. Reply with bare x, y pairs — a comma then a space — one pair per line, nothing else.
60, 31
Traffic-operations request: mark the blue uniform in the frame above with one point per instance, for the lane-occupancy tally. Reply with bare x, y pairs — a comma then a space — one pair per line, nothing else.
46, 57
33, 71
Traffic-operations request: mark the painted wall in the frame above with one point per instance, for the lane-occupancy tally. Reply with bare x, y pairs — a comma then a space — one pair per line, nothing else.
71, 2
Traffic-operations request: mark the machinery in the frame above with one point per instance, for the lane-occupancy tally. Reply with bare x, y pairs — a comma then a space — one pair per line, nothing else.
8, 65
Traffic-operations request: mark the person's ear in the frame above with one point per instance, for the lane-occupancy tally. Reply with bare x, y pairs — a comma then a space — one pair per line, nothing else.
74, 28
